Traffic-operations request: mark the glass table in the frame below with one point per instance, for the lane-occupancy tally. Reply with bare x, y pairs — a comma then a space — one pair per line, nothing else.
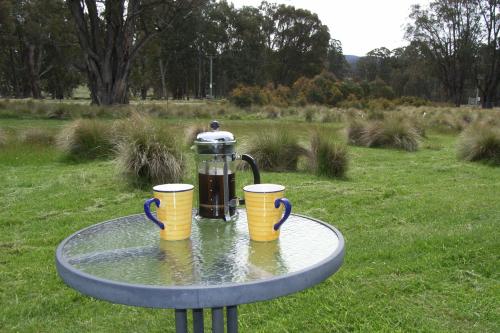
125, 261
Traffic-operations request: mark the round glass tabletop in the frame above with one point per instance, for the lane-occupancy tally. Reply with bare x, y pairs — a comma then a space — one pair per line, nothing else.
125, 261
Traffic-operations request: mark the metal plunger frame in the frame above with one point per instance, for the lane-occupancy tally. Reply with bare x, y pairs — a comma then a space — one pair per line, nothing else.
227, 216
223, 146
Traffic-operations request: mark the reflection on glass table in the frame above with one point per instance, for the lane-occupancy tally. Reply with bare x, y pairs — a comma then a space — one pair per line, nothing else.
125, 261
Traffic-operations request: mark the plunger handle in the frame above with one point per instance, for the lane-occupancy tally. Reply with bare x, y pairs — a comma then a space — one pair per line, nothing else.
255, 170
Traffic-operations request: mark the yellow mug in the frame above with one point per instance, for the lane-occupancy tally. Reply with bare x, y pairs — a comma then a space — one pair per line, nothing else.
175, 208
264, 203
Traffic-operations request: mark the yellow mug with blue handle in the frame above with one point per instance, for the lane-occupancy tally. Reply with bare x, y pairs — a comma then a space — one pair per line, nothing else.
264, 204
174, 204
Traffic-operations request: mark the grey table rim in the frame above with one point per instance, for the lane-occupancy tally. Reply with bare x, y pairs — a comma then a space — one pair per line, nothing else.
198, 296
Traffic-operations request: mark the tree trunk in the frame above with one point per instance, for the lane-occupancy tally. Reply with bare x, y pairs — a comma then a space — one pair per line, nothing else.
15, 81
109, 43
163, 85
488, 99
33, 72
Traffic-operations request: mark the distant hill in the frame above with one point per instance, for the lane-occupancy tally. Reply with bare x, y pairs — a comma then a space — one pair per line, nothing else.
351, 59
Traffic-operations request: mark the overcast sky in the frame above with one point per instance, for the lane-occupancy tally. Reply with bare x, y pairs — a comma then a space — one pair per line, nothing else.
361, 25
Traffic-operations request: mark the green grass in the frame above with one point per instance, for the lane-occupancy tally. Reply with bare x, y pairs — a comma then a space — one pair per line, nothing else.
421, 232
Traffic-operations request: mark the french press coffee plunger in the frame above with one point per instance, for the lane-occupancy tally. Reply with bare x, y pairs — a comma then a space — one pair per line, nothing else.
215, 164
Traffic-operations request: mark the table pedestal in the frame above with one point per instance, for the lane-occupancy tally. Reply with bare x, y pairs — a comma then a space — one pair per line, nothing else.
217, 320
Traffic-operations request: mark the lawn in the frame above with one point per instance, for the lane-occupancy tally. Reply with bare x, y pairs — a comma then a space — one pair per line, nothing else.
421, 230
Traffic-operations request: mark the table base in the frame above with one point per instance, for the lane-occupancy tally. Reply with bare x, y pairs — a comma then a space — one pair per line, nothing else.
181, 325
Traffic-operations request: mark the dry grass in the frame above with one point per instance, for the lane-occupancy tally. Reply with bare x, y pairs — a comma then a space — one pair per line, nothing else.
37, 136
480, 142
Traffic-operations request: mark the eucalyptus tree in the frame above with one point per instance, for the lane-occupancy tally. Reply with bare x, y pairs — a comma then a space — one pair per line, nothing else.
337, 63
111, 34
297, 40
448, 32
411, 74
375, 65
37, 49
487, 66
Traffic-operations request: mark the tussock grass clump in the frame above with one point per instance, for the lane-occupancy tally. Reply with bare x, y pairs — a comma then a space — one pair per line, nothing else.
86, 139
447, 121
480, 142
148, 154
271, 112
332, 115
355, 131
328, 158
392, 132
37, 136
57, 112
192, 131
275, 150
309, 114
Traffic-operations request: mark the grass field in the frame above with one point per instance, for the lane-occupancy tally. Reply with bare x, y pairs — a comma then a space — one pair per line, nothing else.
421, 230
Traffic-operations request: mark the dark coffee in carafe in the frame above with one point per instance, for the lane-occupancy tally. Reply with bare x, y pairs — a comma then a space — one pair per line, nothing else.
211, 195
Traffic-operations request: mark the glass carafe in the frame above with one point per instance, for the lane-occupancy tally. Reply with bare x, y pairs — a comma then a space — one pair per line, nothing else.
216, 171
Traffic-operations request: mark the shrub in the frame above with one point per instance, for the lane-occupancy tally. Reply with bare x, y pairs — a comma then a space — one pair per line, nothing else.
245, 96
379, 89
480, 142
380, 104
275, 150
350, 88
86, 139
299, 90
322, 89
412, 101
328, 158
148, 154
281, 96
352, 103
37, 136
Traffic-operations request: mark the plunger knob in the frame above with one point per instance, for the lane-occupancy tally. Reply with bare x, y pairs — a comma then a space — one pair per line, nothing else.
214, 125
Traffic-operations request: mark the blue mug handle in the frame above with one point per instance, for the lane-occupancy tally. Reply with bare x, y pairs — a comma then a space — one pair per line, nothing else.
288, 210
147, 210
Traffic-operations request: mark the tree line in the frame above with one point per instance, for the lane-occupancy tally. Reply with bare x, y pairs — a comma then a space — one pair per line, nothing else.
202, 48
